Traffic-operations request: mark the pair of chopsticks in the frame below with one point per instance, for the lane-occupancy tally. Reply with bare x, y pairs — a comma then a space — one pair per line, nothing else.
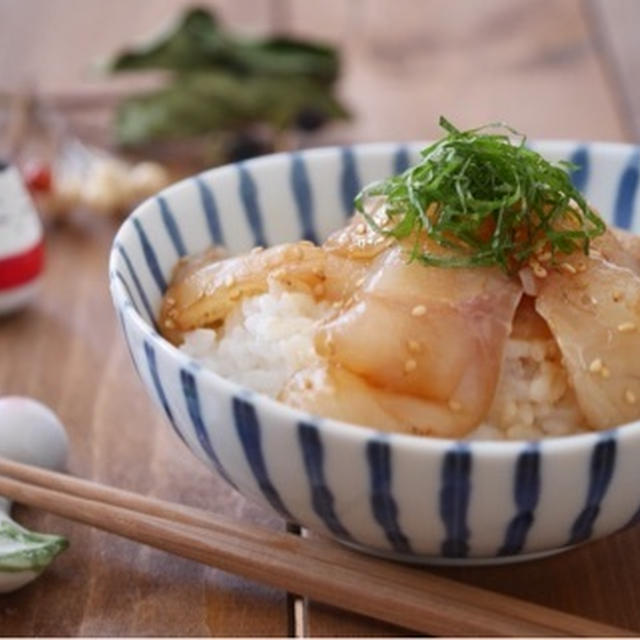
321, 570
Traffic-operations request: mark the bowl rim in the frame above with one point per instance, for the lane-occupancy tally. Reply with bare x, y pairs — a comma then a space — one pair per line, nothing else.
280, 411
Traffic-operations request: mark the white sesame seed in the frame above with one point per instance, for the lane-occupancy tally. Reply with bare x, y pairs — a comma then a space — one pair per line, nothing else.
410, 365
627, 327
229, 280
257, 249
629, 396
568, 267
235, 294
617, 296
360, 228
454, 405
538, 270
605, 373
318, 290
596, 365
169, 323
413, 346
359, 282
170, 301
582, 267
418, 310
544, 257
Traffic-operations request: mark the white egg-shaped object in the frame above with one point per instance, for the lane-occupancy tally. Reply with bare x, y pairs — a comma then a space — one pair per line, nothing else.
32, 434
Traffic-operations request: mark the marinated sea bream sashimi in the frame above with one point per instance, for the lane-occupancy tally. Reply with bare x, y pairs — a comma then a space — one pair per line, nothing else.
594, 316
396, 334
475, 295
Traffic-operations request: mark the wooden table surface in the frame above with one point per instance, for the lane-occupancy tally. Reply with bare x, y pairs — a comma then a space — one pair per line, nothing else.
552, 68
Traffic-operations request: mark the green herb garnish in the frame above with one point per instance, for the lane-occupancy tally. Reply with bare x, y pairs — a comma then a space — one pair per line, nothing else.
486, 199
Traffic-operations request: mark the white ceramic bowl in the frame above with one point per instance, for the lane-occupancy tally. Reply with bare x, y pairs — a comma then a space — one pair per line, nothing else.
407, 497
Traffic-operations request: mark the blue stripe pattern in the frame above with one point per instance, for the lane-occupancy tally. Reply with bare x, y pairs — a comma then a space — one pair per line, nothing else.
383, 504
142, 295
580, 175
117, 275
526, 492
349, 180
150, 257
127, 341
455, 492
303, 195
602, 464
190, 392
321, 496
210, 208
401, 159
153, 370
249, 197
248, 429
626, 194
172, 227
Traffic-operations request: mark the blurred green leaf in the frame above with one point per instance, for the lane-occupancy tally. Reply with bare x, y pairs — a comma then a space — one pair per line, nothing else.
197, 42
203, 102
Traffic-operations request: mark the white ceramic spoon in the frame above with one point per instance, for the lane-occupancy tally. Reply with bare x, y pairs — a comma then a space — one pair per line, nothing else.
29, 433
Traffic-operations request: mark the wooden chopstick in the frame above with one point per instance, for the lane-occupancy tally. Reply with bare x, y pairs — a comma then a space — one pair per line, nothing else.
297, 606
323, 571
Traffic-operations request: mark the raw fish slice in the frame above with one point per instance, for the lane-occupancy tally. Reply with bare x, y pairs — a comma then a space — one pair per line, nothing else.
432, 333
358, 240
528, 324
628, 248
202, 295
333, 392
205, 288
594, 315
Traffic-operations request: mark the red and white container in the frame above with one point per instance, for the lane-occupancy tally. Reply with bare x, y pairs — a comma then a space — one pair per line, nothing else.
21, 242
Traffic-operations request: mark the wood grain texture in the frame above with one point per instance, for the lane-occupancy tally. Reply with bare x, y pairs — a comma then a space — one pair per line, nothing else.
535, 63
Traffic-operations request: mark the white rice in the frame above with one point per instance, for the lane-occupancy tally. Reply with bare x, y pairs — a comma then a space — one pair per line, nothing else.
533, 397
263, 342
269, 337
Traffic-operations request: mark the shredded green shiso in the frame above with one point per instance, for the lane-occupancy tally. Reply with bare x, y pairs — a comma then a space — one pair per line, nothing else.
488, 199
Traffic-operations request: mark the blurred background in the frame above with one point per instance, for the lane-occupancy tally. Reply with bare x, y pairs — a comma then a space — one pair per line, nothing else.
191, 85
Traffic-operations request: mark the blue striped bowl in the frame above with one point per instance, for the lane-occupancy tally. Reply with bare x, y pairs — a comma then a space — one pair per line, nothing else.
410, 498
